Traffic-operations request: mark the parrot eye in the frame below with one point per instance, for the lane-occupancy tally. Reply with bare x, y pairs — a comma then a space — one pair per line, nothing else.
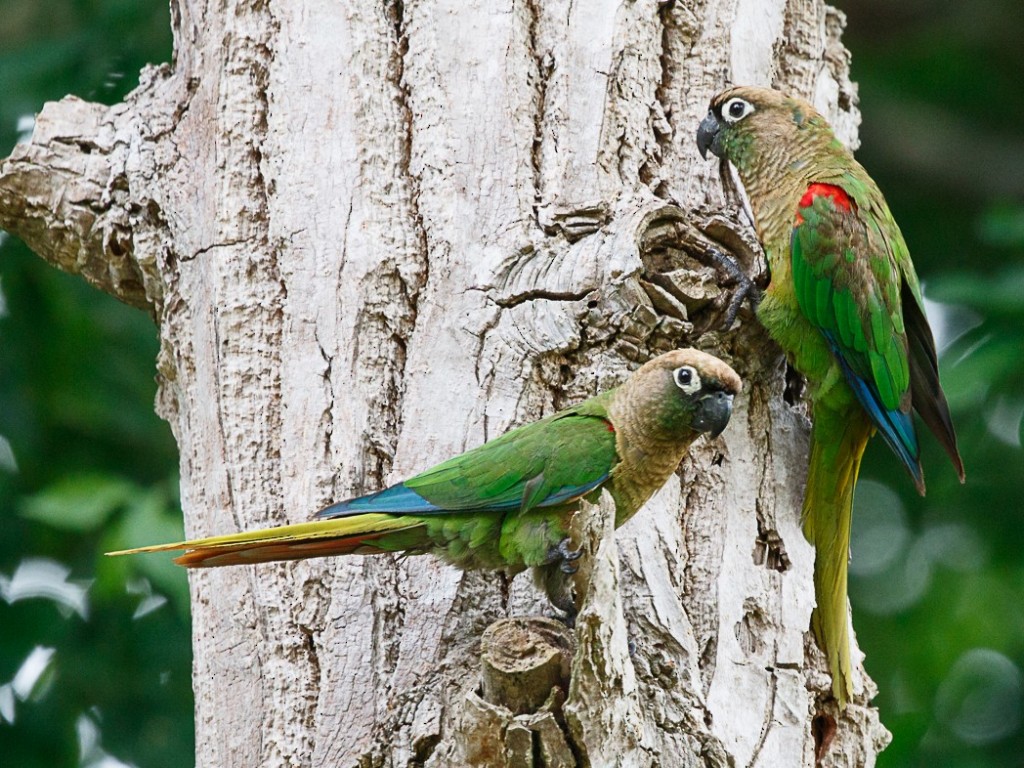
687, 379
735, 109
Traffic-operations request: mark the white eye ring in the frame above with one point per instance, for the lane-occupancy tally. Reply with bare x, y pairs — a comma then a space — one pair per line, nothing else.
687, 379
735, 109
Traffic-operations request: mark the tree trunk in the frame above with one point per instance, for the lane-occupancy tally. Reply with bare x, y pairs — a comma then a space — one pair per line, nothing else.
375, 235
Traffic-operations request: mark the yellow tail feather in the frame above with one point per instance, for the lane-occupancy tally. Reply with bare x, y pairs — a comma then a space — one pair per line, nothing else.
339, 536
838, 440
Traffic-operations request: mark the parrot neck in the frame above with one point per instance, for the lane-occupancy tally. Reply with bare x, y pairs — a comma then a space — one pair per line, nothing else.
649, 449
773, 183
771, 199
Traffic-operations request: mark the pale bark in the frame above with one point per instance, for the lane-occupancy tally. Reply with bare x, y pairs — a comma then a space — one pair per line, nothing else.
373, 237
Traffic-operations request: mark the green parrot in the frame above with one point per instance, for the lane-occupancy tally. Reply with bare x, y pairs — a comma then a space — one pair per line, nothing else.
507, 504
844, 303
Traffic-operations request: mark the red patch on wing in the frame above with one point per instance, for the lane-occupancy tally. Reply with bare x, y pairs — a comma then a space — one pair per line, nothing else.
837, 194
611, 427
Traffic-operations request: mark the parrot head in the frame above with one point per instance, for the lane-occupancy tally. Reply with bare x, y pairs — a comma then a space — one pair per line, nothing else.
682, 392
745, 122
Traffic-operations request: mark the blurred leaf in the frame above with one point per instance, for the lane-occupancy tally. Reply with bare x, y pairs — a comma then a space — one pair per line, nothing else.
998, 293
982, 365
151, 519
79, 503
1002, 226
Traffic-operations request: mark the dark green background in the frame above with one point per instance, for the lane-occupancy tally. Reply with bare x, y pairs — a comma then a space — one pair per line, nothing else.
937, 582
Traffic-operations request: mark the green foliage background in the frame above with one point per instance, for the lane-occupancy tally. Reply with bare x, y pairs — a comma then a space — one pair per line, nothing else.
937, 582
95, 467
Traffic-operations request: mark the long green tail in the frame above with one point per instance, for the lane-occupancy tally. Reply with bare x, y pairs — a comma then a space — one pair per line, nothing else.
340, 536
838, 440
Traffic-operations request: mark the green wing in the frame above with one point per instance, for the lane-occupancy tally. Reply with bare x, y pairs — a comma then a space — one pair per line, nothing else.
848, 282
546, 463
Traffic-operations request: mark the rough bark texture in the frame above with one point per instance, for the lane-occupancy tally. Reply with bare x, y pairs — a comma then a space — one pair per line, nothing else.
374, 235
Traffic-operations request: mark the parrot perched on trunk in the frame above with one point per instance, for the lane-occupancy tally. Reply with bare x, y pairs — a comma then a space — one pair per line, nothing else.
844, 303
507, 504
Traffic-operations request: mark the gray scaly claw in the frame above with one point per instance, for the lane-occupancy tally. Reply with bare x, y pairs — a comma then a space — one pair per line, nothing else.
569, 556
746, 290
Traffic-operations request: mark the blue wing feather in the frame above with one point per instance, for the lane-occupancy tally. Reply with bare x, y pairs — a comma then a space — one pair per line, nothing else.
895, 426
397, 500
571, 492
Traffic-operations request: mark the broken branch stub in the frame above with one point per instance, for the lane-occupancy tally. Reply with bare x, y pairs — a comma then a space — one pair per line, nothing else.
522, 660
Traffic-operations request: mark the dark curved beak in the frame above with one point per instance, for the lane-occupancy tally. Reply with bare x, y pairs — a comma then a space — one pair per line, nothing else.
712, 413
707, 136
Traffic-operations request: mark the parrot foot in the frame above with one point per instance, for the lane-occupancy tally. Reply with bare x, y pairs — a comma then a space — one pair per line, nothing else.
746, 290
565, 556
558, 587
566, 613
553, 577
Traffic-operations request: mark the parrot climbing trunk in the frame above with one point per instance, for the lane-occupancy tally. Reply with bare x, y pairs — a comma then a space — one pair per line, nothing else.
508, 503
845, 304
827, 514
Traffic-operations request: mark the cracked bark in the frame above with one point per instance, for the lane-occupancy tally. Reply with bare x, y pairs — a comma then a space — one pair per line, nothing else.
372, 237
